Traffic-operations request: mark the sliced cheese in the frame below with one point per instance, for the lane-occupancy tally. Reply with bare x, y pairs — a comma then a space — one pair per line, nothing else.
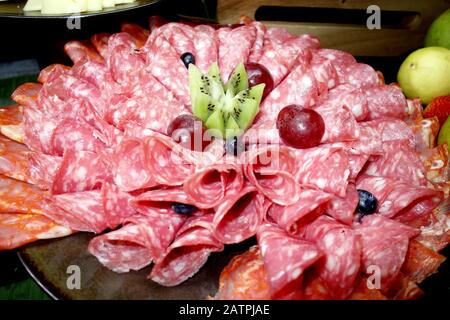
33, 5
70, 6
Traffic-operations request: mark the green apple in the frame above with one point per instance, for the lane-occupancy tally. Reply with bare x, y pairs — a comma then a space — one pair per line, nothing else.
425, 74
438, 34
444, 134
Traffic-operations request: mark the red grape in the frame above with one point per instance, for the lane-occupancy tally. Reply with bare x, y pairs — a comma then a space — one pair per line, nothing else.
257, 74
300, 128
188, 131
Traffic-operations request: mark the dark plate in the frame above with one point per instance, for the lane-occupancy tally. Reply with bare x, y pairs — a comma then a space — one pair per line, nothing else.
14, 9
47, 262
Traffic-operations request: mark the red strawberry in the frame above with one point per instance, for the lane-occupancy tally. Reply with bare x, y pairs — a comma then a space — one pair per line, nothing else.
439, 107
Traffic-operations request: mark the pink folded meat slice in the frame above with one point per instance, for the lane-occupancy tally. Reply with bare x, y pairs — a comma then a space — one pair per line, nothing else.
360, 75
257, 49
139, 34
77, 135
165, 65
299, 88
386, 101
116, 205
324, 72
384, 246
52, 71
238, 216
26, 95
343, 208
80, 211
100, 42
206, 46
235, 46
325, 168
340, 124
340, 60
351, 97
399, 161
391, 129
78, 50
38, 130
271, 170
285, 260
143, 239
356, 163
188, 253
342, 254
80, 171
42, 169
179, 35
209, 185
310, 205
125, 65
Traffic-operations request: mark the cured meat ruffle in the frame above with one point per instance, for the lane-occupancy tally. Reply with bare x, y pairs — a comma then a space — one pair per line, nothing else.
343, 208
190, 250
384, 247
342, 254
142, 240
14, 159
285, 259
238, 216
271, 170
310, 205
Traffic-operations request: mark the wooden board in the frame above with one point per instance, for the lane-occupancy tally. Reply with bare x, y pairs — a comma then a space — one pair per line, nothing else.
414, 18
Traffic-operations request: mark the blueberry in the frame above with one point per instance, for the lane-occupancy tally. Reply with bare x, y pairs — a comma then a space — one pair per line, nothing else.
187, 59
367, 202
182, 208
234, 146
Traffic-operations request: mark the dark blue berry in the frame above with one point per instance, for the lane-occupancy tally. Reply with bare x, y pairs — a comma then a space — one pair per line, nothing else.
367, 202
182, 208
234, 146
187, 59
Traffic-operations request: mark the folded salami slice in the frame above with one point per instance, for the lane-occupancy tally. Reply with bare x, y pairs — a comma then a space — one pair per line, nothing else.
139, 34
52, 71
179, 35
37, 131
142, 240
384, 246
257, 49
117, 205
324, 72
77, 135
20, 197
399, 161
244, 278
235, 46
166, 66
356, 163
271, 169
343, 208
238, 216
188, 253
299, 87
78, 50
342, 250
325, 168
42, 169
125, 65
206, 46
26, 95
129, 166
360, 75
310, 205
285, 259
386, 101
351, 97
100, 42
208, 186
80, 171
340, 60
80, 211
18, 229
14, 159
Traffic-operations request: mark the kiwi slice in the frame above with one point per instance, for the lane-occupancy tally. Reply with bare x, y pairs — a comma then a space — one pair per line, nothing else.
227, 109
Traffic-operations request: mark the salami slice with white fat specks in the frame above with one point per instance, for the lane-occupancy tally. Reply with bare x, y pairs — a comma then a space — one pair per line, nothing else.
323, 168
271, 169
208, 186
79, 171
116, 205
238, 216
162, 198
190, 250
310, 205
351, 97
342, 254
206, 46
324, 72
257, 49
142, 240
343, 208
42, 169
234, 48
386, 101
285, 259
384, 245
